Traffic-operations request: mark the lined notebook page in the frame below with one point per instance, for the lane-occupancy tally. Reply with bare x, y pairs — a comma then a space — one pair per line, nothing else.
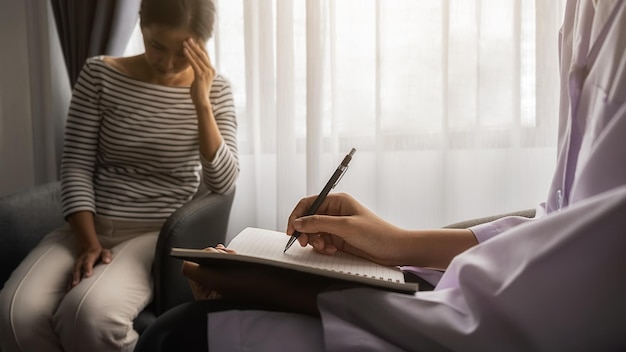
270, 245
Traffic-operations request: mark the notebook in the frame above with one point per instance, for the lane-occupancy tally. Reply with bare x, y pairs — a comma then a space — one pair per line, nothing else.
262, 247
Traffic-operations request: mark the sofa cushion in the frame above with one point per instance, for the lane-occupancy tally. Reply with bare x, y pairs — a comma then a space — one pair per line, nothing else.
25, 218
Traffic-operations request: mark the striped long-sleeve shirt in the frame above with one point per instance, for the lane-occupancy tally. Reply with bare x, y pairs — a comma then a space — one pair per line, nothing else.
131, 148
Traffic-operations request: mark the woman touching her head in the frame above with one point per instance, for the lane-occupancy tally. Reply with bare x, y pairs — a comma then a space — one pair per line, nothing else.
143, 133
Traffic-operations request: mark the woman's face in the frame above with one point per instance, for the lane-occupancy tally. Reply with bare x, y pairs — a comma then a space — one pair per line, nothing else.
164, 50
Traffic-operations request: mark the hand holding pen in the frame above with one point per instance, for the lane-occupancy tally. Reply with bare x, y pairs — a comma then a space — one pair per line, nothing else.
346, 225
334, 179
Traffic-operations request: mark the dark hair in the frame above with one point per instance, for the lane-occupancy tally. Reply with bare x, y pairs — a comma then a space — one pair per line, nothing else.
196, 15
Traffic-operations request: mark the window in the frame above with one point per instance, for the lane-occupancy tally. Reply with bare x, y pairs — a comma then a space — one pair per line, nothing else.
453, 87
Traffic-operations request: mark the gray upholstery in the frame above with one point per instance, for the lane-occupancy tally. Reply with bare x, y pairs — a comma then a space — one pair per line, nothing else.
26, 217
200, 223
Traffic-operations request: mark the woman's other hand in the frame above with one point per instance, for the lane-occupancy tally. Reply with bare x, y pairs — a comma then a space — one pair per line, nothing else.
203, 70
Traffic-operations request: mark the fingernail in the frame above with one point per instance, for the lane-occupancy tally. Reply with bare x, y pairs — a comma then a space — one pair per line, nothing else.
318, 243
297, 224
330, 250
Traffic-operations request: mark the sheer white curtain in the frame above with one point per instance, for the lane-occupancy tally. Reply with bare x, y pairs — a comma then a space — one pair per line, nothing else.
34, 96
451, 105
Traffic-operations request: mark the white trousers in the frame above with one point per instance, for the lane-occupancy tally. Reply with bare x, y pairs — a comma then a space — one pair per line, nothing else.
38, 313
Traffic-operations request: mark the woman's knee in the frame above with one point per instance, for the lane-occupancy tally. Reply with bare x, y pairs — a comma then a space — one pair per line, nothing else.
21, 313
93, 323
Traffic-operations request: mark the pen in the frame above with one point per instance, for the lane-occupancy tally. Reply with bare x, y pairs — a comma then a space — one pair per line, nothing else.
334, 179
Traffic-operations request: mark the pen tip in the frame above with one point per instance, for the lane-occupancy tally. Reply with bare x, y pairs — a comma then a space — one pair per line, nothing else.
292, 239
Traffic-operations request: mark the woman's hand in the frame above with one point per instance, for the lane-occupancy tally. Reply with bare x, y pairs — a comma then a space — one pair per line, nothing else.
87, 259
204, 72
209, 136
343, 224
90, 251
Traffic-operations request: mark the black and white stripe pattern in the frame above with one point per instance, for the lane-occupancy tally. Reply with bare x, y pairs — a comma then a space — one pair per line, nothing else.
131, 148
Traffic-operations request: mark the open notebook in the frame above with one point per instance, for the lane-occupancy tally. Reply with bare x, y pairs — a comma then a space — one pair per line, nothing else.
256, 246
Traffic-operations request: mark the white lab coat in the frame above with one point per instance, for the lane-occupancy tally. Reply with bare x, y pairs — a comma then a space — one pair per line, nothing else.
554, 284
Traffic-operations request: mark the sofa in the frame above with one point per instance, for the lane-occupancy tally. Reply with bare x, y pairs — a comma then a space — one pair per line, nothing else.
25, 217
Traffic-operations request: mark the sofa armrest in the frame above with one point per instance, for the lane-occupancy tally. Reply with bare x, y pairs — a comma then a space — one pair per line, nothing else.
528, 213
25, 217
200, 223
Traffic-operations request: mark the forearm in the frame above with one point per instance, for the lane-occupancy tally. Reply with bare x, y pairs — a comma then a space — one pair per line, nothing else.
431, 248
84, 229
354, 229
209, 136
217, 124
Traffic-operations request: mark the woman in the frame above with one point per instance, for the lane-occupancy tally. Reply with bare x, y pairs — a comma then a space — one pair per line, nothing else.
554, 283
143, 132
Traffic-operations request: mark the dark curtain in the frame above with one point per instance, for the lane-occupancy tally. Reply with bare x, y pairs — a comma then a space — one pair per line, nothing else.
88, 28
